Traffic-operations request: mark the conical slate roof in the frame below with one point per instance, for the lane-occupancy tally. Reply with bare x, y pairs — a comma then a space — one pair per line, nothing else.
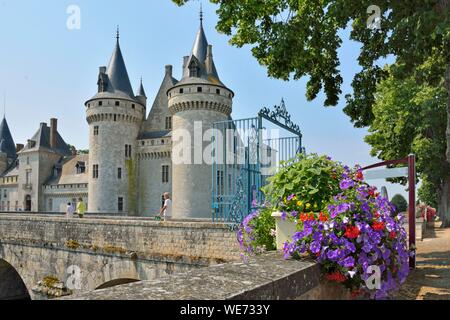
6, 141
141, 91
118, 74
199, 56
114, 82
200, 45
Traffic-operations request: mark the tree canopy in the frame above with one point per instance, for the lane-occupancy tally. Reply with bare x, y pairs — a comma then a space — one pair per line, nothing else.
296, 38
411, 118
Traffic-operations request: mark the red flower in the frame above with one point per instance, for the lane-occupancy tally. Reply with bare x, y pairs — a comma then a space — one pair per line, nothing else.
378, 226
377, 214
392, 235
311, 217
359, 175
303, 217
371, 192
352, 232
323, 217
335, 276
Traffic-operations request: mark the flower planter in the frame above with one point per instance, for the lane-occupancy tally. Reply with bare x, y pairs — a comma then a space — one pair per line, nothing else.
285, 230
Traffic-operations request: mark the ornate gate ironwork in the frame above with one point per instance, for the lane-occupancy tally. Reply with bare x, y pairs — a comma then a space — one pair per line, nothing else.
244, 156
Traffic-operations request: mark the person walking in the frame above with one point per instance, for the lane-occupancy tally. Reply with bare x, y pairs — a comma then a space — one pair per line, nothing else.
81, 208
166, 210
69, 211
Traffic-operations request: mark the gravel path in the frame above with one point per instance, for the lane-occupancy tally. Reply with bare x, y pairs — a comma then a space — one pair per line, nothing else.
431, 279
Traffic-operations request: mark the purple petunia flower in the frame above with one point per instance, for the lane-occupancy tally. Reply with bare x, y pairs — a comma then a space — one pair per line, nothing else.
315, 247
348, 262
346, 184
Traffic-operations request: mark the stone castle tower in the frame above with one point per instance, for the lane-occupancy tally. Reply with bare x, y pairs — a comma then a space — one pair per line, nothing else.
199, 98
114, 116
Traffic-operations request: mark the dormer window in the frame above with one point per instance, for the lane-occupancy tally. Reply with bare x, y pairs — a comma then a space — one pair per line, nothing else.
193, 68
80, 167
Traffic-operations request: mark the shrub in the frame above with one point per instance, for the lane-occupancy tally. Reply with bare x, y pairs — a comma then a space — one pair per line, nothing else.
257, 232
305, 184
400, 203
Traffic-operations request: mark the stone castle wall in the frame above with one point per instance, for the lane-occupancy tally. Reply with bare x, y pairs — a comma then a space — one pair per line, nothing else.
105, 249
117, 126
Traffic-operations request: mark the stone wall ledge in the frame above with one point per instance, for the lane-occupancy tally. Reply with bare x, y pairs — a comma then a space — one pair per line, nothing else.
117, 221
266, 277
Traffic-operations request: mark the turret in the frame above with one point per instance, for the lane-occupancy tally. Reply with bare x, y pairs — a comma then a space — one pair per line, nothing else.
114, 116
140, 95
198, 98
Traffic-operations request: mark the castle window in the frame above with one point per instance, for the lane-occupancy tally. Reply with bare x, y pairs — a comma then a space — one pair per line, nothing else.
120, 204
16, 207
117, 103
8, 206
199, 89
165, 174
28, 177
115, 117
181, 90
50, 205
128, 151
152, 142
218, 91
163, 141
5, 195
100, 103
96, 131
119, 173
143, 143
133, 106
168, 123
95, 171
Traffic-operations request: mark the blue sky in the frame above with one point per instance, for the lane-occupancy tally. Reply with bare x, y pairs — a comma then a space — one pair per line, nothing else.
49, 71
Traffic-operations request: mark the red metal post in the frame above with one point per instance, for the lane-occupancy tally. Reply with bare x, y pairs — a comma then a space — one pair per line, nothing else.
412, 209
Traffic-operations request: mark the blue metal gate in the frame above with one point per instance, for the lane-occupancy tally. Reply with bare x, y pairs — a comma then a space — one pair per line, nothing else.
245, 154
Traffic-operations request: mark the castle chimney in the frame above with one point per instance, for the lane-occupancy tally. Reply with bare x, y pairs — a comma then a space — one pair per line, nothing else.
169, 69
102, 70
185, 61
19, 147
209, 59
53, 132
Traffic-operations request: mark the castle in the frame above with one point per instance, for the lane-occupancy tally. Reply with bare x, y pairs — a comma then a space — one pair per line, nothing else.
129, 165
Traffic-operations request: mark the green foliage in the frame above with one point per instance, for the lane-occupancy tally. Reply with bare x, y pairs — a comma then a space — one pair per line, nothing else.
263, 230
400, 203
305, 184
428, 194
411, 118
